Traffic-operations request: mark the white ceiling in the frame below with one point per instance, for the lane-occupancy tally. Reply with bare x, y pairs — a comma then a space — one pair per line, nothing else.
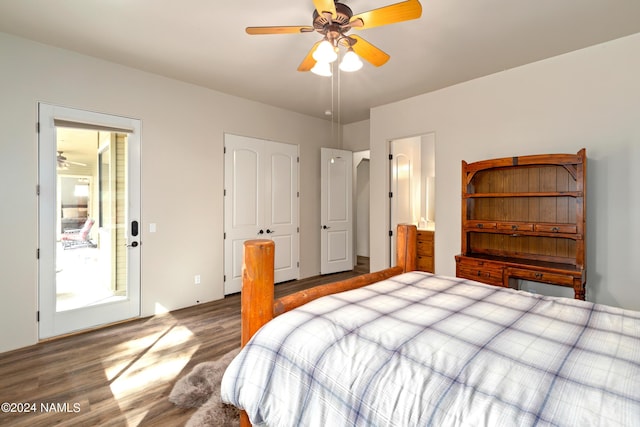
204, 42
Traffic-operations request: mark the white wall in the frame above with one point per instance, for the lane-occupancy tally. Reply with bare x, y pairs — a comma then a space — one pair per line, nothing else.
355, 136
588, 98
182, 132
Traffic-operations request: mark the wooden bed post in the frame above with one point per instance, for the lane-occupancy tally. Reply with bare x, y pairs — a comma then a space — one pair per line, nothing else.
406, 255
257, 293
257, 286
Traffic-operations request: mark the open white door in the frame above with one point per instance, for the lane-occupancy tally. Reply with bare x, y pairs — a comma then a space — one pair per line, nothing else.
336, 211
261, 202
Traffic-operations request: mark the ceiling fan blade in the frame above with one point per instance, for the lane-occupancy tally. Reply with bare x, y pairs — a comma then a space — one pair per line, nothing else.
366, 50
308, 62
403, 11
323, 6
278, 30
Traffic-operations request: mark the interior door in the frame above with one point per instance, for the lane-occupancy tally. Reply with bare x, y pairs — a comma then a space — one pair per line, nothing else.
336, 215
261, 202
89, 216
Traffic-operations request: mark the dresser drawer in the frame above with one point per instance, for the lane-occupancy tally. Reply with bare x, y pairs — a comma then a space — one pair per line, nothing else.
480, 225
425, 263
557, 228
425, 235
479, 270
425, 248
540, 276
490, 277
514, 226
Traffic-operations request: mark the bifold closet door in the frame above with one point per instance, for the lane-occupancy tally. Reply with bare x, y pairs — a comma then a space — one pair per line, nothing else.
261, 202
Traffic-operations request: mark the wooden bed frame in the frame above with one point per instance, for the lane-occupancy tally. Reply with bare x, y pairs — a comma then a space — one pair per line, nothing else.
257, 300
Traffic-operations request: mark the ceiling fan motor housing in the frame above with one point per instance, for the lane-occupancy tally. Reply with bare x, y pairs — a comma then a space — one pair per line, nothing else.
333, 28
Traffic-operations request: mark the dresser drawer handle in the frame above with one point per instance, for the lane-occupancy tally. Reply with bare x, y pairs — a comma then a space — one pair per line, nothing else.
514, 227
480, 225
538, 275
555, 229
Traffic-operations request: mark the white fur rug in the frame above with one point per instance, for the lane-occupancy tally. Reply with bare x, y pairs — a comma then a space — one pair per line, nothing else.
201, 388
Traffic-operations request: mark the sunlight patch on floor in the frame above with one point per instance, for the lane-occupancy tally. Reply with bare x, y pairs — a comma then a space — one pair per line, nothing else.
135, 419
160, 362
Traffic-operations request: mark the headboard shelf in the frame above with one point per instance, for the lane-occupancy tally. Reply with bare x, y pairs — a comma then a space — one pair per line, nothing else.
524, 218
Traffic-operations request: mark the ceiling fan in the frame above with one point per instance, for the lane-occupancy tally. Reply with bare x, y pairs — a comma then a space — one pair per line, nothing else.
63, 163
333, 20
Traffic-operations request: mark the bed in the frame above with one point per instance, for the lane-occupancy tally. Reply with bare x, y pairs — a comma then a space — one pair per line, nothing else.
406, 348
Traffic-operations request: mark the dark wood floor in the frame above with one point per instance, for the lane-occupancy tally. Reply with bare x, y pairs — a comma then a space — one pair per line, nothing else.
122, 375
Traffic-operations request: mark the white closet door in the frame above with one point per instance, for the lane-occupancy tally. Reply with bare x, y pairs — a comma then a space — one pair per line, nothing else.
281, 207
261, 202
242, 204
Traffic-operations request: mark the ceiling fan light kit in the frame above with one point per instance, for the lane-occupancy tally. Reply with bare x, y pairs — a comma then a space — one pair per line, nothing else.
333, 20
350, 62
325, 52
322, 69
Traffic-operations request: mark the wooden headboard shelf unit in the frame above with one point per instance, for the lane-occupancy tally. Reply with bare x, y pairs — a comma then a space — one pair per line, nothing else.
524, 218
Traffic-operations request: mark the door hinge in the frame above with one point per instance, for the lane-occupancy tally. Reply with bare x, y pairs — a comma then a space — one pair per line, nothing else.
390, 233
224, 236
298, 229
390, 156
38, 190
298, 159
298, 264
224, 278
298, 194
38, 253
224, 150
38, 316
37, 127
390, 194
224, 192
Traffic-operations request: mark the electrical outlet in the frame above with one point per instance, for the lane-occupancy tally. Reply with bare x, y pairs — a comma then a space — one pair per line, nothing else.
196, 279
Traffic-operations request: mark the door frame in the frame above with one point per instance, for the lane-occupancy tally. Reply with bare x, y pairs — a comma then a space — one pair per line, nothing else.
50, 322
421, 161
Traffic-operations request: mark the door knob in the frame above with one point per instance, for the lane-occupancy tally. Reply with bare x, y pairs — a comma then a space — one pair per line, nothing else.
261, 232
270, 231
324, 227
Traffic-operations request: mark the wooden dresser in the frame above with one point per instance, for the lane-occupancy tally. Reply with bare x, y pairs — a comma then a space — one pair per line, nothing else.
524, 218
424, 249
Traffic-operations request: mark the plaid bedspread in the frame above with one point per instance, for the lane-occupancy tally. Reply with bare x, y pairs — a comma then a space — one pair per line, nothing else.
426, 350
